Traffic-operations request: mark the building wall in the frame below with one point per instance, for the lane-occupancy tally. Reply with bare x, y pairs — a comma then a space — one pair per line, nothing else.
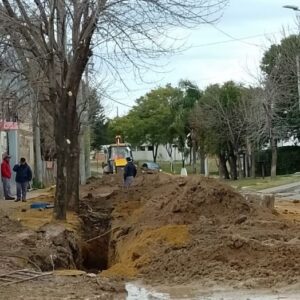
143, 153
3, 142
25, 141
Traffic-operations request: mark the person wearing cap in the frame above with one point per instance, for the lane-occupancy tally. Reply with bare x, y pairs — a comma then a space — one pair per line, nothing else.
6, 176
129, 172
23, 176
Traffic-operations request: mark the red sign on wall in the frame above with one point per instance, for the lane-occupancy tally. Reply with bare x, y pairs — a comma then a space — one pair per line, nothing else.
8, 125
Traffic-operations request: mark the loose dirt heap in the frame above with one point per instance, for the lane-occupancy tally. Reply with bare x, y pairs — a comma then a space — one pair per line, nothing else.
174, 229
51, 246
163, 229
31, 239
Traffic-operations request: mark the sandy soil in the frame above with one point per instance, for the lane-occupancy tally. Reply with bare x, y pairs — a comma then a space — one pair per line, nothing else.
65, 287
175, 230
163, 230
24, 244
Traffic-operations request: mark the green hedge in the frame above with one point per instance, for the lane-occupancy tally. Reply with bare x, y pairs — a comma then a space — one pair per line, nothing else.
288, 161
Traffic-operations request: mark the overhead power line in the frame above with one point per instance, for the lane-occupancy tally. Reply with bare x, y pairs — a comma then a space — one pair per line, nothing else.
232, 37
233, 40
121, 103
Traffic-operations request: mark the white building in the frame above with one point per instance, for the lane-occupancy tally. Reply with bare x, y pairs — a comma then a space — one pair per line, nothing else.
145, 153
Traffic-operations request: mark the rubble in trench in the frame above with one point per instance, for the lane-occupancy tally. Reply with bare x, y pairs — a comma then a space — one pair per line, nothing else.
167, 229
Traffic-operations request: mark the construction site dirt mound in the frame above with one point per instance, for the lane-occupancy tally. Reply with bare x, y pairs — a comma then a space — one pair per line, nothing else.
182, 201
163, 229
168, 228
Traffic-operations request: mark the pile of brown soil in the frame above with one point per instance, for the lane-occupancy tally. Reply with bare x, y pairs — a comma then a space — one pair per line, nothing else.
164, 228
180, 229
181, 201
30, 239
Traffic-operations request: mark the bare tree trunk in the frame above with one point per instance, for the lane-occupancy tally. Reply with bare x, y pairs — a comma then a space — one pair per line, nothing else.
87, 131
233, 166
38, 164
206, 166
202, 161
194, 157
247, 164
239, 166
274, 157
87, 148
183, 160
154, 151
223, 171
169, 151
66, 128
72, 163
82, 158
73, 177
232, 162
60, 202
253, 162
81, 99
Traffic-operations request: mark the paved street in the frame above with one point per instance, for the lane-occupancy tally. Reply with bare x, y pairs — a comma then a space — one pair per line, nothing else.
288, 191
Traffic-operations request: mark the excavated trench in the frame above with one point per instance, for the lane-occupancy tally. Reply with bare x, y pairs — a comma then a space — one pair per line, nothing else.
54, 246
95, 244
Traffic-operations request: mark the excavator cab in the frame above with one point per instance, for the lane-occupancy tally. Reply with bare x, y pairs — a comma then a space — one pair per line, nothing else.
116, 156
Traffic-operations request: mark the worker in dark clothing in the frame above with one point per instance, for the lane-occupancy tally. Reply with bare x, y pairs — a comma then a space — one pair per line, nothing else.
129, 172
23, 176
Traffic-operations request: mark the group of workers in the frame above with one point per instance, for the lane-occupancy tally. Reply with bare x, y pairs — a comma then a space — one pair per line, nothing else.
23, 177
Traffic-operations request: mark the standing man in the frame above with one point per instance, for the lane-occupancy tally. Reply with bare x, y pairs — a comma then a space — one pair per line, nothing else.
23, 176
6, 176
129, 172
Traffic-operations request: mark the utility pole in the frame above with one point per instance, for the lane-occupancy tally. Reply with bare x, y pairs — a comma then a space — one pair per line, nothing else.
87, 131
298, 77
82, 157
297, 10
38, 164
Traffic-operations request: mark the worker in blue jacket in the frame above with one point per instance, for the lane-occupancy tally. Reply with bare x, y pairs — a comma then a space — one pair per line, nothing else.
129, 172
23, 177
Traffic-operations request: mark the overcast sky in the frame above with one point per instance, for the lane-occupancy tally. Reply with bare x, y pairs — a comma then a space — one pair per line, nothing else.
212, 56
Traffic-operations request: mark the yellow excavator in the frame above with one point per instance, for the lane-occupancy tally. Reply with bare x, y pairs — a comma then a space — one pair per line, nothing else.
115, 156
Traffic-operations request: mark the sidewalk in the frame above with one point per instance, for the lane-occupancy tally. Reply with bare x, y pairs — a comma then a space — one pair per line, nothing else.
286, 188
30, 195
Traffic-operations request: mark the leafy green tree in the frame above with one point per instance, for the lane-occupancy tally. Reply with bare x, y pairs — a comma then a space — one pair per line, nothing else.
100, 133
98, 122
220, 120
153, 115
129, 127
279, 65
181, 108
149, 121
281, 102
